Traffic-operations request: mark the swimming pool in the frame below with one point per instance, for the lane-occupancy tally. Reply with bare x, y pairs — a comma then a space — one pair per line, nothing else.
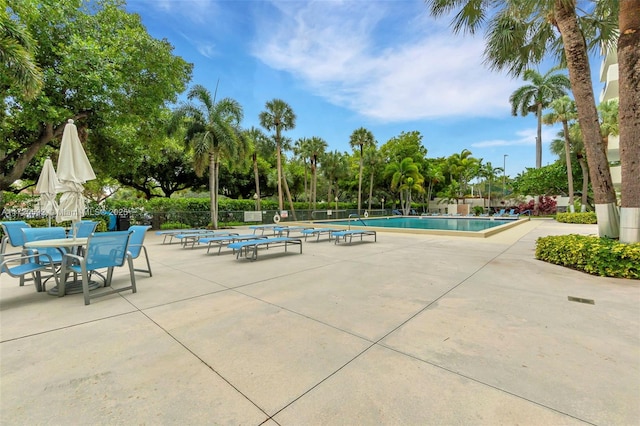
450, 225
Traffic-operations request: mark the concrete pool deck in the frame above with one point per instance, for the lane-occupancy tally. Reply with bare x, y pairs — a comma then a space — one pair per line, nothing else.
412, 329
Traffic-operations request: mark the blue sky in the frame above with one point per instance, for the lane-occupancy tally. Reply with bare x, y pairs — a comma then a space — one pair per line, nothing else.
383, 65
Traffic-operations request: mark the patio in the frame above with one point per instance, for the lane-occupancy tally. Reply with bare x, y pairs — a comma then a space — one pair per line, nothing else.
411, 329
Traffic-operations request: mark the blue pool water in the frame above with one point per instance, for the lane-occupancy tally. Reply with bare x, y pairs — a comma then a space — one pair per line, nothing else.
443, 223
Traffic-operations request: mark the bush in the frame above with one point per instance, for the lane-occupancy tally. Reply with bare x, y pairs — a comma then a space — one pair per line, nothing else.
588, 218
174, 225
546, 206
596, 256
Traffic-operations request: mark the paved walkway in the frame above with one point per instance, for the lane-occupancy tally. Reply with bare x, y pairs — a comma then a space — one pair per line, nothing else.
410, 330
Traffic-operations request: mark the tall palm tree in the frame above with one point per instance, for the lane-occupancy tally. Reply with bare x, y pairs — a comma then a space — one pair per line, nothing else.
317, 147
373, 159
17, 52
629, 76
563, 111
489, 172
278, 116
213, 131
521, 33
537, 96
300, 149
575, 136
361, 138
257, 140
462, 166
434, 176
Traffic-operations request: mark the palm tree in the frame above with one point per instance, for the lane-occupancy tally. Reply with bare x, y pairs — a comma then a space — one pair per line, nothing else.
213, 131
521, 33
629, 75
257, 141
373, 159
463, 166
278, 117
317, 146
17, 51
609, 125
400, 172
489, 172
564, 110
434, 176
361, 138
537, 96
300, 149
575, 136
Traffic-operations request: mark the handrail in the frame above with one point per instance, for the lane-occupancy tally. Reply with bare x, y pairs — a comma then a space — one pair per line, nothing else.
356, 216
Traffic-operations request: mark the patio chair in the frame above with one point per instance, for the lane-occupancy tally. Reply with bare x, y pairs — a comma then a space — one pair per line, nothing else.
83, 229
50, 254
500, 213
136, 245
27, 264
104, 250
12, 234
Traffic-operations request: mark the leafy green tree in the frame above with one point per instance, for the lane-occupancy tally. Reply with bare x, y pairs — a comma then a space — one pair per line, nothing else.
521, 33
463, 167
563, 111
609, 124
360, 139
407, 144
537, 96
213, 131
547, 180
278, 117
103, 70
335, 167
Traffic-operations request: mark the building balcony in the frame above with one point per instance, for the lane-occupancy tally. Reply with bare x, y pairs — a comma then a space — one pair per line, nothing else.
613, 148
610, 90
616, 177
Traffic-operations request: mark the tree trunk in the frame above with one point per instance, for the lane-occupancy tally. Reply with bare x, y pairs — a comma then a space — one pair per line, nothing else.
307, 187
213, 185
585, 181
567, 156
539, 137
286, 187
629, 119
279, 167
371, 189
360, 183
256, 176
580, 76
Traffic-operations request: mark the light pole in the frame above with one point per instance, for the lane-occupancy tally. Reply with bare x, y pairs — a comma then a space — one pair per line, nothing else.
382, 205
336, 200
255, 200
504, 175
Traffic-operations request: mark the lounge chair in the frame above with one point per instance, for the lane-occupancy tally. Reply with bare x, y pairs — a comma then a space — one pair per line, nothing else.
221, 241
253, 245
264, 228
500, 213
194, 237
170, 233
350, 233
318, 232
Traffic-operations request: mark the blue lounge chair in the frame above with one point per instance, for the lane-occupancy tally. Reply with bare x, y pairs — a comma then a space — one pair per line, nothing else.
253, 245
350, 233
500, 213
221, 241
318, 232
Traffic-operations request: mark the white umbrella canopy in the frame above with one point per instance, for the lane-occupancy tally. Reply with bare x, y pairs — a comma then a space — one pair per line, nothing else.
74, 170
47, 187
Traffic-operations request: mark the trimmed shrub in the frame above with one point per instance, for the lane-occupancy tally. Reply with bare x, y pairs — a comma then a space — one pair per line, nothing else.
594, 255
174, 225
586, 218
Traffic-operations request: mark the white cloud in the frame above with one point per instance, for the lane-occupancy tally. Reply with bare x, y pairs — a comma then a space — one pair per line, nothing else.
521, 138
347, 53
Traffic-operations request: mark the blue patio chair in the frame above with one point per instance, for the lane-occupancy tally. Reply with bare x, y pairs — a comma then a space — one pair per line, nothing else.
136, 245
27, 264
37, 234
500, 213
104, 250
12, 234
83, 229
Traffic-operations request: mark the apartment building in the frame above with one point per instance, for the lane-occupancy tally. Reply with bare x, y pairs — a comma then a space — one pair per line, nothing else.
609, 76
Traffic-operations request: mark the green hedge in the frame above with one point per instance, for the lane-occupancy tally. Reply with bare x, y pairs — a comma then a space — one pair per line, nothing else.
596, 256
587, 217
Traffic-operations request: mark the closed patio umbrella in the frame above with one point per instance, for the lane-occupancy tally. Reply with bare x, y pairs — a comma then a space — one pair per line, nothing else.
47, 187
74, 170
